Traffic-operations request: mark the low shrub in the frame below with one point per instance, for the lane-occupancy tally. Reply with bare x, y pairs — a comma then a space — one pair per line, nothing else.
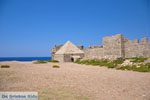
5, 66
135, 59
98, 63
144, 68
141, 68
56, 66
113, 64
55, 61
40, 62
119, 61
133, 67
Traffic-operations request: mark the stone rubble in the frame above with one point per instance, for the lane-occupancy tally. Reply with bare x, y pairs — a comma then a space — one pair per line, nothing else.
126, 63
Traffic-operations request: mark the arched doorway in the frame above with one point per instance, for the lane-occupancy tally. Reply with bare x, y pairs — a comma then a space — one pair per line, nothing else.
72, 59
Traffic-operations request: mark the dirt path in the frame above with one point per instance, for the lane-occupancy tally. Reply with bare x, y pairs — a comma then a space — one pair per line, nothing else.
74, 82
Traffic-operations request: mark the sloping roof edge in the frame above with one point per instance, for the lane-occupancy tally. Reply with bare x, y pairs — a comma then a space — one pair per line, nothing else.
69, 48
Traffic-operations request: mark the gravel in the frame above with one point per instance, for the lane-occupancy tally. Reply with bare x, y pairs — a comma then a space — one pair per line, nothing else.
94, 82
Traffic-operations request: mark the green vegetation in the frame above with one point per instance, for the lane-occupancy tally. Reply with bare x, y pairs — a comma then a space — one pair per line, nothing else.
107, 63
115, 63
55, 61
40, 62
56, 66
141, 68
135, 59
119, 61
5, 66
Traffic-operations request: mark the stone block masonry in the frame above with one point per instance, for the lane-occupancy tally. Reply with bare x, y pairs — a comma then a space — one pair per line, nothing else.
114, 47
118, 46
135, 49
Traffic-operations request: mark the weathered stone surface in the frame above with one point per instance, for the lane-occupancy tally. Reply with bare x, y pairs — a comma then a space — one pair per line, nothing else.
135, 49
93, 53
115, 47
54, 50
126, 63
68, 53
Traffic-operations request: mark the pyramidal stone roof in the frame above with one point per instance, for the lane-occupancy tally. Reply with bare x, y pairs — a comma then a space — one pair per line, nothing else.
69, 48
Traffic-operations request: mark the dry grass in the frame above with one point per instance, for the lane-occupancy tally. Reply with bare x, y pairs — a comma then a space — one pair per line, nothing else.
8, 76
61, 94
5, 73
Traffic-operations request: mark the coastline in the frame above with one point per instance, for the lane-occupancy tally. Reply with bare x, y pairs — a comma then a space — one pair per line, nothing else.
24, 59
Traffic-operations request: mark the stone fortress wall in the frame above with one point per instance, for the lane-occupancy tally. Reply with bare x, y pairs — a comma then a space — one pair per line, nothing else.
93, 53
54, 50
134, 48
119, 46
114, 47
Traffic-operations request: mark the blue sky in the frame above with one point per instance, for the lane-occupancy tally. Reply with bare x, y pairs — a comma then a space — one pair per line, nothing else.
30, 28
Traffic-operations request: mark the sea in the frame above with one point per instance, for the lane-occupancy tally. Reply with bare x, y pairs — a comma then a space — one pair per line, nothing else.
24, 58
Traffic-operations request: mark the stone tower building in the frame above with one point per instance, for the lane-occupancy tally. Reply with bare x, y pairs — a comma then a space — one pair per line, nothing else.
68, 53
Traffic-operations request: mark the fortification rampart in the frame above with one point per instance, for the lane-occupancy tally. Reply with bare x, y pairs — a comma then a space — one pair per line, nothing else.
54, 50
93, 53
114, 47
134, 48
119, 46
92, 47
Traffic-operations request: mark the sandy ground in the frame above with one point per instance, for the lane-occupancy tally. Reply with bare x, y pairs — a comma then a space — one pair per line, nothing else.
74, 82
